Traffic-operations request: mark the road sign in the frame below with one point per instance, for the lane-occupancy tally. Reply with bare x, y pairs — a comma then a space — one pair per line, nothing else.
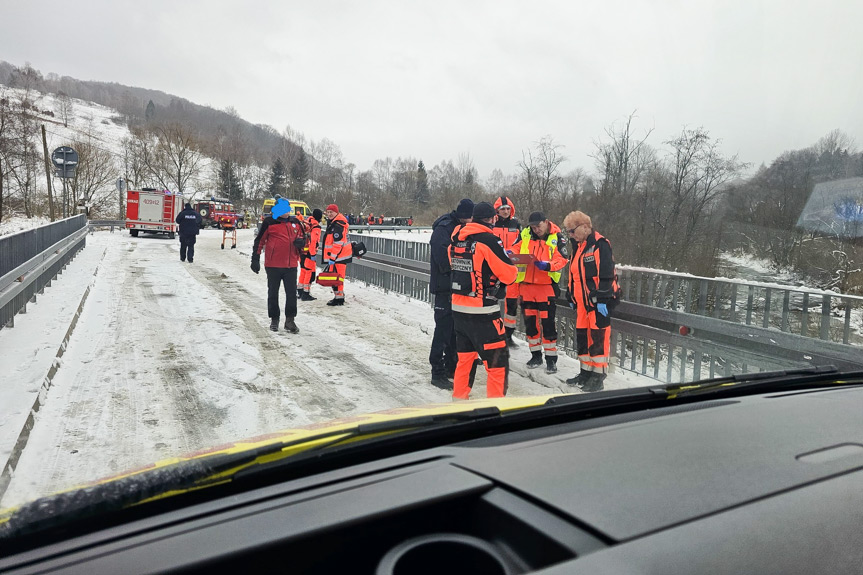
121, 185
65, 161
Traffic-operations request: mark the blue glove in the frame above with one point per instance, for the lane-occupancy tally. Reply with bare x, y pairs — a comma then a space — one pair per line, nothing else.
544, 266
571, 305
331, 262
601, 308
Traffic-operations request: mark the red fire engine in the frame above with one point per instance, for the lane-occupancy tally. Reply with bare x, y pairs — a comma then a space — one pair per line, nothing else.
213, 210
153, 211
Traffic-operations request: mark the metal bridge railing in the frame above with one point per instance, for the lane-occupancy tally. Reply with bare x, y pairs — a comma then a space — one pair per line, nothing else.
29, 260
809, 313
726, 332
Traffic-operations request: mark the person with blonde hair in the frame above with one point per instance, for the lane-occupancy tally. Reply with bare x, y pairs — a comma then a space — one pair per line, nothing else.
593, 293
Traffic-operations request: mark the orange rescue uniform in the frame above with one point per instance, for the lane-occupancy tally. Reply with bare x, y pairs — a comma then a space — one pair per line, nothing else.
338, 249
310, 252
539, 288
479, 267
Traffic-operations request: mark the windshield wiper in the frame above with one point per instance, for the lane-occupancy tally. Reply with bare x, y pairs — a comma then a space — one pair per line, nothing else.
766, 381
194, 474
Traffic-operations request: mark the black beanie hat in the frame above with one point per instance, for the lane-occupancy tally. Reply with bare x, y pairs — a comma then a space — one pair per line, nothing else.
483, 211
317, 214
464, 211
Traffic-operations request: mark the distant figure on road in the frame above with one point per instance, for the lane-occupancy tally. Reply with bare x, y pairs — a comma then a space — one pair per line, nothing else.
229, 226
190, 226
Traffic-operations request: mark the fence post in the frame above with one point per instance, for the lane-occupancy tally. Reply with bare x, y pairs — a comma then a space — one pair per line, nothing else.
825, 317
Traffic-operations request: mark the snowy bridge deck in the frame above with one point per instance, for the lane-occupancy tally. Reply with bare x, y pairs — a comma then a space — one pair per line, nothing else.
169, 357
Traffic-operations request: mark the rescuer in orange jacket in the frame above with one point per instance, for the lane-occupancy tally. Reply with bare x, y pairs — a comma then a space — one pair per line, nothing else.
307, 258
337, 250
508, 229
593, 292
538, 287
480, 268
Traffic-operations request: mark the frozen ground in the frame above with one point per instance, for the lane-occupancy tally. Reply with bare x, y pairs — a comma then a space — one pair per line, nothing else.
170, 357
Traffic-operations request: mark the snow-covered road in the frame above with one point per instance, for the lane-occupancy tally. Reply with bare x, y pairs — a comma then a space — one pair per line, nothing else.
170, 357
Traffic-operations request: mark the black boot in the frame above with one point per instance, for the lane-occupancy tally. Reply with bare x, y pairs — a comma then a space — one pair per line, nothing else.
306, 296
551, 364
274, 324
290, 326
535, 359
576, 381
335, 301
299, 293
441, 381
593, 382
223, 246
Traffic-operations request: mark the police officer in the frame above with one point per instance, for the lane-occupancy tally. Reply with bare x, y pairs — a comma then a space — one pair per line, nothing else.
480, 267
190, 226
442, 356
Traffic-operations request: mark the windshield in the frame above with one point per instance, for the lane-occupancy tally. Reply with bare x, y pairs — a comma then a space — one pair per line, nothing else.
392, 205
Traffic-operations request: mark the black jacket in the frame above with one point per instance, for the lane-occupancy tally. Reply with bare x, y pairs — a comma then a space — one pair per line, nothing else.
442, 231
190, 222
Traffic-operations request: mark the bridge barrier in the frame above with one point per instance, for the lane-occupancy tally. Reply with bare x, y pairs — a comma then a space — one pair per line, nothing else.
731, 326
30, 259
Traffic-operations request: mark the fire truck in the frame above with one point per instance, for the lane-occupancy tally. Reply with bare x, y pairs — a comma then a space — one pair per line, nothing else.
214, 210
154, 211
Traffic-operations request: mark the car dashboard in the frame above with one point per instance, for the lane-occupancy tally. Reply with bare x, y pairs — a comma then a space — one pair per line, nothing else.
757, 484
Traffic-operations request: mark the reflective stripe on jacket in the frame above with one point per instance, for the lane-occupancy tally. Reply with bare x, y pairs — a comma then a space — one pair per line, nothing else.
547, 250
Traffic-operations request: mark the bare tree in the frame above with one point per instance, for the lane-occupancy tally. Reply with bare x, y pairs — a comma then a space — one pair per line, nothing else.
94, 179
175, 161
63, 107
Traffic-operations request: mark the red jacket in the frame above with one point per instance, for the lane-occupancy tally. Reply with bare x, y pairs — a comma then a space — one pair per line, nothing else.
276, 239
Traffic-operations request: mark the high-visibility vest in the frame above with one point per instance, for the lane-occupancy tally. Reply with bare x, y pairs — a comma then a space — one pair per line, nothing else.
551, 242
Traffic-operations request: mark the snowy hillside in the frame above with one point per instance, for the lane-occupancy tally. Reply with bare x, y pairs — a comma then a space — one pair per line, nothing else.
98, 126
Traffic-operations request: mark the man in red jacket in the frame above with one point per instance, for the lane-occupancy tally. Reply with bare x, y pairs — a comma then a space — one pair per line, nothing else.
282, 239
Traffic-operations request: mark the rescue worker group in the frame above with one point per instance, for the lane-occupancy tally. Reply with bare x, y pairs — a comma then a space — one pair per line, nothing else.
480, 255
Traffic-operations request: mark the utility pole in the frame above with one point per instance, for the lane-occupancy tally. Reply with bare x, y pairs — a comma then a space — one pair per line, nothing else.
48, 174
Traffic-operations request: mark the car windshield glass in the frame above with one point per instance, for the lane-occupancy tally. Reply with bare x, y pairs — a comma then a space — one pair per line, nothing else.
235, 232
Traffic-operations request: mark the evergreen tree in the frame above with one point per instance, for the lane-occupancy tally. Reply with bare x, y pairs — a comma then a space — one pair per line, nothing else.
150, 112
300, 175
422, 192
229, 184
278, 179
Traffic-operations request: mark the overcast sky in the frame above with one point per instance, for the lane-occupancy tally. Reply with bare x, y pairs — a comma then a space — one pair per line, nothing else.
435, 79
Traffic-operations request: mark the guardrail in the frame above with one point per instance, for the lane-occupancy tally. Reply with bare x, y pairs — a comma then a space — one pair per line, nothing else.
30, 259
360, 229
725, 333
107, 224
